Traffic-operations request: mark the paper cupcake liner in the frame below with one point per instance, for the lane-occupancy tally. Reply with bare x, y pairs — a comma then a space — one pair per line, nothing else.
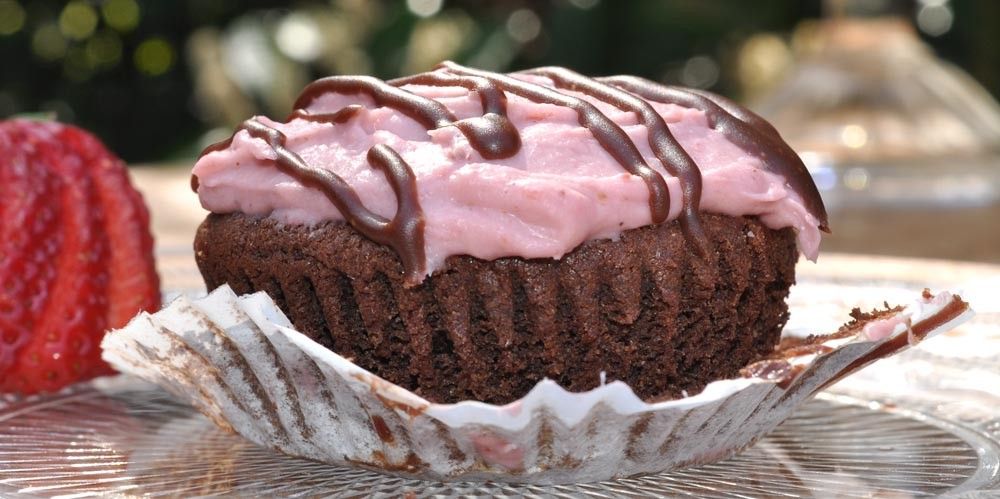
239, 361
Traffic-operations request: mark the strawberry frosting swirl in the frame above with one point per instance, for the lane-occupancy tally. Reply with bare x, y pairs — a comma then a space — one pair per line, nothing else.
559, 190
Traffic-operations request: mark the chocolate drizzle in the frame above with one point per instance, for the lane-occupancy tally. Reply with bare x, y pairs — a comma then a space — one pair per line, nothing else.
404, 232
605, 131
672, 156
743, 128
493, 136
498, 137
340, 116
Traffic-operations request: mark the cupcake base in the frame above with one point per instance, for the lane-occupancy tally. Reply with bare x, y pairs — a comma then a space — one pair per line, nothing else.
237, 361
644, 309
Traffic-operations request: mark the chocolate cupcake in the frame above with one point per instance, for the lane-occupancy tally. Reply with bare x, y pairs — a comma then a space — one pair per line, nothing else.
465, 234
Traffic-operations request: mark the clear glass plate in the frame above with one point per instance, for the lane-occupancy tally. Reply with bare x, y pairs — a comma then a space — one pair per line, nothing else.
925, 423
125, 437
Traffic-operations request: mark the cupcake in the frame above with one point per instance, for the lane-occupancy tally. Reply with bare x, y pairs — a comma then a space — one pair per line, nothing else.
604, 262
466, 234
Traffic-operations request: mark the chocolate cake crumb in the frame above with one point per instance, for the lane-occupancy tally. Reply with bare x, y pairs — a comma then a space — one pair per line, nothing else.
645, 309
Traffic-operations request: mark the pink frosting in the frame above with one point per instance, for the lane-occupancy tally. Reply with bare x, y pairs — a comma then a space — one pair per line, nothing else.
883, 328
561, 189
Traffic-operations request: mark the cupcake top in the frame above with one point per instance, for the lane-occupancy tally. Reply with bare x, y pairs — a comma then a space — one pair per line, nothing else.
460, 161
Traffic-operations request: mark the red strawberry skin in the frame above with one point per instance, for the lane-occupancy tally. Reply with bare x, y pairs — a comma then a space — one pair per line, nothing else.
75, 257
29, 241
133, 284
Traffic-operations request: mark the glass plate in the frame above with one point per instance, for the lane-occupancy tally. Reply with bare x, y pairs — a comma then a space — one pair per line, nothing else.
121, 436
924, 423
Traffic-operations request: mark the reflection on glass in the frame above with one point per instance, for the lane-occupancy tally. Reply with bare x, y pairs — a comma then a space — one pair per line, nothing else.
118, 437
904, 146
881, 121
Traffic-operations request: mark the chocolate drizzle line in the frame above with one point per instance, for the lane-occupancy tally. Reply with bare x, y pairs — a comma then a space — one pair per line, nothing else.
404, 232
666, 148
743, 128
495, 137
605, 131
489, 135
503, 140
340, 116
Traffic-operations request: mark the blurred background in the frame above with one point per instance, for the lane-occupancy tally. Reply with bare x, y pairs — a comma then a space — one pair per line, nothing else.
892, 103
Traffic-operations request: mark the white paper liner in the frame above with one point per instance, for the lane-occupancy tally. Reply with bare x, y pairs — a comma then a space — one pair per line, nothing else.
238, 360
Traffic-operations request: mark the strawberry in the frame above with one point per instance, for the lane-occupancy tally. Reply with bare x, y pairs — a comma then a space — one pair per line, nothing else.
134, 284
28, 244
75, 257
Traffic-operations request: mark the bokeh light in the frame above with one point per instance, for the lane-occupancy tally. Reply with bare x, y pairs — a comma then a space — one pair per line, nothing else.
700, 71
104, 49
48, 43
856, 179
78, 20
12, 17
436, 39
523, 25
854, 136
247, 58
424, 8
762, 59
122, 15
298, 36
935, 18
154, 56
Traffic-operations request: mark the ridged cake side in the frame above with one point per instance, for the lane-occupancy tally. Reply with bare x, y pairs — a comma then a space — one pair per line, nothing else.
645, 309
